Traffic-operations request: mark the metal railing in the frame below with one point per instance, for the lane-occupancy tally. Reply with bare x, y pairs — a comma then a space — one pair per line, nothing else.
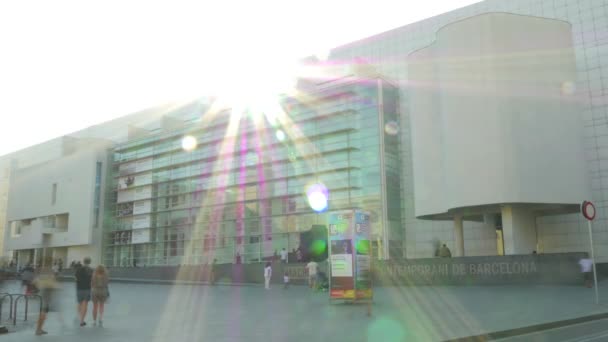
2, 298
27, 299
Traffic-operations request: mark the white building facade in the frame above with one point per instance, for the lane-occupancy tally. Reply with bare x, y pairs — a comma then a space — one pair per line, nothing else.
481, 97
55, 208
587, 22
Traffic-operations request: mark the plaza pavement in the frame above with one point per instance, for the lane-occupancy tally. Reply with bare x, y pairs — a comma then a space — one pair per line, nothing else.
151, 312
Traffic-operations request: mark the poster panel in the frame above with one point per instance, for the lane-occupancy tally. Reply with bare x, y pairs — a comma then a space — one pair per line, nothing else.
341, 255
142, 221
140, 236
142, 207
363, 276
143, 192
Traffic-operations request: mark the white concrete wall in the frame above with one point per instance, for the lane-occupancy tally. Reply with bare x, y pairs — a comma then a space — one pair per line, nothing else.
489, 121
30, 196
389, 52
519, 230
567, 233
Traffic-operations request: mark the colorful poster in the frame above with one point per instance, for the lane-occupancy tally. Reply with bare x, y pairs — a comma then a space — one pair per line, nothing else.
340, 232
363, 276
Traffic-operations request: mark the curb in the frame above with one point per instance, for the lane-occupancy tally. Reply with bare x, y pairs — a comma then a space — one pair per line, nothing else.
177, 282
529, 329
164, 282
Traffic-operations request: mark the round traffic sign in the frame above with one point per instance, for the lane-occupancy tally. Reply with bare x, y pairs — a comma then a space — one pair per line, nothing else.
588, 210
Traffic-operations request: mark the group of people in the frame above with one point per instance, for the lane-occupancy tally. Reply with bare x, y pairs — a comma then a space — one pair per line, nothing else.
268, 277
317, 280
90, 285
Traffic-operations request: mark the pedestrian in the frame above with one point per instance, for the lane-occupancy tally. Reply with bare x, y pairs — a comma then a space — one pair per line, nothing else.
47, 284
284, 255
212, 273
587, 270
267, 275
84, 274
285, 281
312, 273
99, 293
27, 278
444, 252
55, 268
238, 258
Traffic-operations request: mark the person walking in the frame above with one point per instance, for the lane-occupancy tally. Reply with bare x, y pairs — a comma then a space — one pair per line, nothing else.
312, 273
587, 270
285, 280
267, 275
284, 255
213, 272
46, 283
84, 274
99, 293
27, 278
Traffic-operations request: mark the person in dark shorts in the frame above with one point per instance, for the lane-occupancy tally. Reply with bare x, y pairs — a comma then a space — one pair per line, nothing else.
83, 289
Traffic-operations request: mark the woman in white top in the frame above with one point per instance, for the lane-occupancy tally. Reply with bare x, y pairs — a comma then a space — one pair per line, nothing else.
267, 275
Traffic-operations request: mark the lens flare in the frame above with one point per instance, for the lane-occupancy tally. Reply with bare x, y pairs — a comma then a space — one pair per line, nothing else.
386, 329
280, 135
189, 143
391, 128
292, 155
568, 88
318, 247
362, 247
251, 158
318, 197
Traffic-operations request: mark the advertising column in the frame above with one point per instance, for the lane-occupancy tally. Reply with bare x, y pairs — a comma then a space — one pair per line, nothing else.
342, 285
363, 276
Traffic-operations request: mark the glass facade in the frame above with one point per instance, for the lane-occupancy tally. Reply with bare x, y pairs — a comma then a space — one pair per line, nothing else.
245, 189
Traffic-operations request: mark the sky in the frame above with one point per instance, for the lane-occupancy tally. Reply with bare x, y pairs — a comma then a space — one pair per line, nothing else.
67, 65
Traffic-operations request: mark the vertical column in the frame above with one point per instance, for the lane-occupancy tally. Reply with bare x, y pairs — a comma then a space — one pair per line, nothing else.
519, 229
35, 261
458, 235
489, 223
508, 235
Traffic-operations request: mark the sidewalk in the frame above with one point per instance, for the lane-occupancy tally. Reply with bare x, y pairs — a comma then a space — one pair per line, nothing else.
148, 312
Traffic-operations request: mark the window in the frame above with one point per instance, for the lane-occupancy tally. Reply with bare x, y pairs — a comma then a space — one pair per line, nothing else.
15, 229
97, 195
54, 194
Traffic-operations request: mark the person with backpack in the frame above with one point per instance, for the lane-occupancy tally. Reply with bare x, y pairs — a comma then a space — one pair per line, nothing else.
83, 275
